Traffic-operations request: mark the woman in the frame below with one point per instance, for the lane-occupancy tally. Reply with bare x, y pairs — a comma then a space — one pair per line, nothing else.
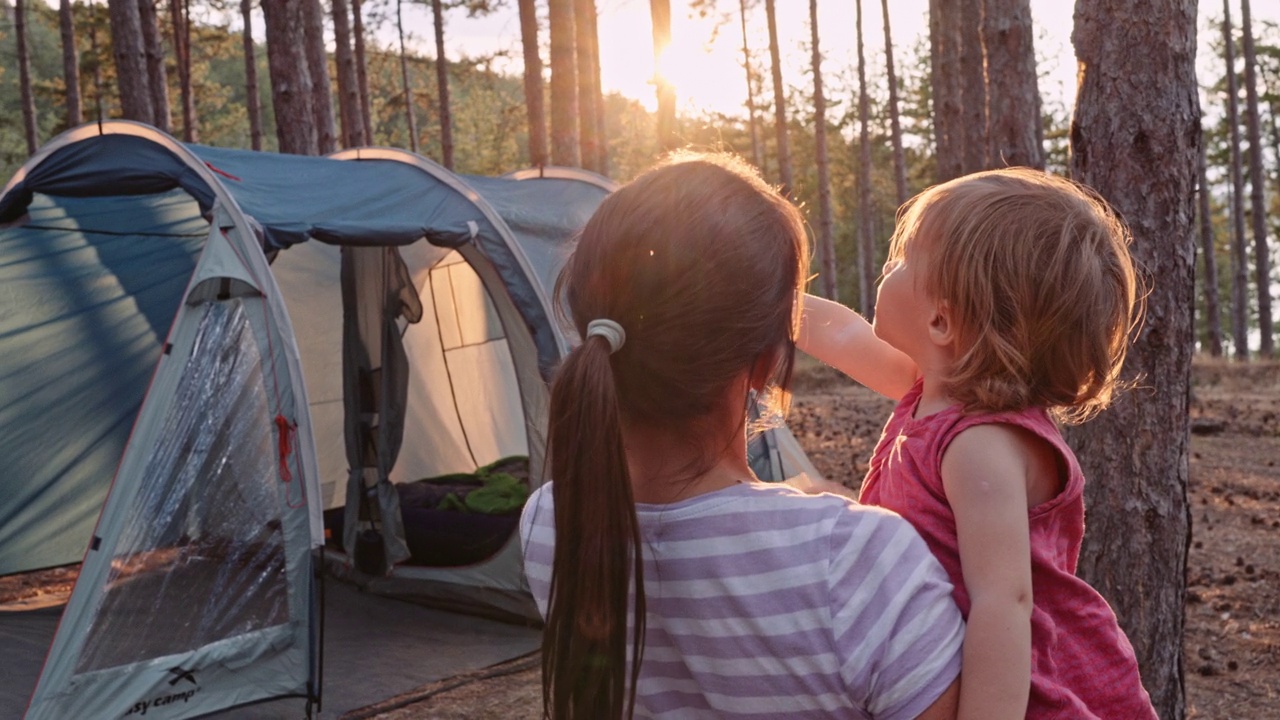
673, 583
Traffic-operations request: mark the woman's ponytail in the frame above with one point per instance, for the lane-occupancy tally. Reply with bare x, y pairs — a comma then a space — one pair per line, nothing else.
681, 281
597, 546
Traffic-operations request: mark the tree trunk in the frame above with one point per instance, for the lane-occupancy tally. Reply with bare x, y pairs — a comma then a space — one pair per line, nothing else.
1213, 320
410, 108
866, 246
779, 103
1239, 255
757, 157
157, 79
1133, 138
973, 92
1257, 206
826, 239
589, 99
944, 74
252, 103
179, 14
70, 63
535, 101
895, 123
668, 135
24, 77
131, 61
564, 86
97, 69
362, 70
290, 76
318, 68
348, 86
442, 82
1013, 98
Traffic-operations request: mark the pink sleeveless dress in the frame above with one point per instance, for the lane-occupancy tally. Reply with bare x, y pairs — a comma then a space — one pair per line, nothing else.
1082, 665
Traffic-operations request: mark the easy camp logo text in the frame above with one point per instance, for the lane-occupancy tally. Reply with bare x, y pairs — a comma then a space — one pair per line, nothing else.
179, 696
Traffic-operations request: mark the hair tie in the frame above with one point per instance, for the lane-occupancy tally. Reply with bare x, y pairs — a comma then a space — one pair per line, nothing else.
611, 331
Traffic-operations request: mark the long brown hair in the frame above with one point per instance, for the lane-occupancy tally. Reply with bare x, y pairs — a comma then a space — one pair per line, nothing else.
701, 263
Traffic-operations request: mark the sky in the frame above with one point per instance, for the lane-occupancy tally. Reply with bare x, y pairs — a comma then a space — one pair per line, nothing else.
706, 59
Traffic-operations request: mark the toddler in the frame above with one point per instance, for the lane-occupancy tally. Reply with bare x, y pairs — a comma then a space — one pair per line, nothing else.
1006, 305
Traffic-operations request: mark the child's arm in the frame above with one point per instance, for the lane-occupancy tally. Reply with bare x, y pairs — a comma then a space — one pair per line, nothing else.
843, 339
984, 473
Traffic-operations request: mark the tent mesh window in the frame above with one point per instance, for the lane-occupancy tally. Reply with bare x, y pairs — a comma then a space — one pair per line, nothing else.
201, 555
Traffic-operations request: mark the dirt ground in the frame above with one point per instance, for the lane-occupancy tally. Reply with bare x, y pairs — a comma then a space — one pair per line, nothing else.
1232, 643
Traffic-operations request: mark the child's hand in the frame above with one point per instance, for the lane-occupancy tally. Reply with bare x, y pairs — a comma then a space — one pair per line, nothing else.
814, 486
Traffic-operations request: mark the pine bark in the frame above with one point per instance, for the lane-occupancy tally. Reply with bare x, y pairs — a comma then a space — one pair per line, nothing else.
668, 135
179, 16
589, 95
866, 246
362, 70
318, 68
442, 84
1239, 254
252, 103
348, 86
757, 156
895, 122
564, 85
290, 76
535, 101
785, 178
157, 79
1213, 319
1134, 138
1257, 205
24, 77
944, 76
131, 61
826, 223
973, 79
1013, 97
70, 63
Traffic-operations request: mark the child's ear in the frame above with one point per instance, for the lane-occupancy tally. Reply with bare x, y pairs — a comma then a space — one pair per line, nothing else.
941, 329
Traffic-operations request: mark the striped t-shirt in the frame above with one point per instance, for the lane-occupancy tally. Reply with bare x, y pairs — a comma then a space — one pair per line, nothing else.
766, 602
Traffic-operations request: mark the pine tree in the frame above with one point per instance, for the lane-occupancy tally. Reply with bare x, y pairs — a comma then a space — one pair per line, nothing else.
785, 178
1257, 206
535, 107
826, 239
70, 63
442, 87
1141, 66
565, 149
1239, 255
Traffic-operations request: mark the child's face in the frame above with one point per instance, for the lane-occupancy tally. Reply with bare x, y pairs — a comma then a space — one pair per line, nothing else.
903, 308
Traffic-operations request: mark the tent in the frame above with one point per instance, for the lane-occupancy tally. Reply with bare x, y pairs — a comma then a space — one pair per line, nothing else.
146, 338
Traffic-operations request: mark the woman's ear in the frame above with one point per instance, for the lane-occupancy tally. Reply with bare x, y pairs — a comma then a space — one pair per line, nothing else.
762, 369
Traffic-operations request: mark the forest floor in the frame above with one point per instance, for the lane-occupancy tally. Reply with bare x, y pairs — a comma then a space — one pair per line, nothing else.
1232, 639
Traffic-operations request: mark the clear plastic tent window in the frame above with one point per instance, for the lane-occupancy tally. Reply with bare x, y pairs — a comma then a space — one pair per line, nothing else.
202, 556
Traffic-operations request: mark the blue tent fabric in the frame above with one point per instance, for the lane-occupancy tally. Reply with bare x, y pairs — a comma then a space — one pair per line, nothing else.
89, 289
110, 165
375, 202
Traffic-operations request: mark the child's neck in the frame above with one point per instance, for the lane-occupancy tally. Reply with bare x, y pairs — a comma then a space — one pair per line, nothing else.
933, 395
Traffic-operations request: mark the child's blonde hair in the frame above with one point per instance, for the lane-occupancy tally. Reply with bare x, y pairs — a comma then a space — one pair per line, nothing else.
1041, 291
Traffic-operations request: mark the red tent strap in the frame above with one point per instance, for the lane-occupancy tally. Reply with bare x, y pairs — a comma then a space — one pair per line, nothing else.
285, 432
